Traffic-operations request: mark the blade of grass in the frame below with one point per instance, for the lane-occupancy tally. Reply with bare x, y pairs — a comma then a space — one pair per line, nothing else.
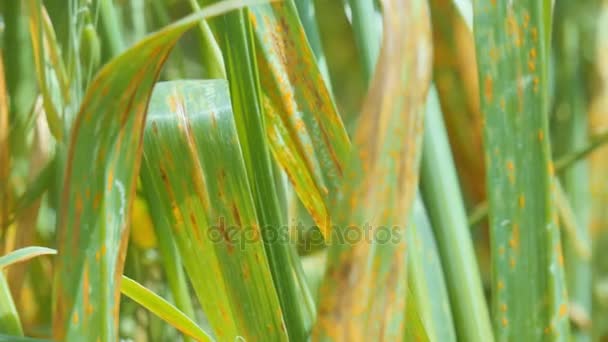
24, 254
529, 301
305, 132
427, 287
308, 18
367, 34
191, 130
378, 189
441, 192
163, 309
12, 338
10, 323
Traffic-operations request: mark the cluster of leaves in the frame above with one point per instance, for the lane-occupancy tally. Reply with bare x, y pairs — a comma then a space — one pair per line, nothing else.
296, 169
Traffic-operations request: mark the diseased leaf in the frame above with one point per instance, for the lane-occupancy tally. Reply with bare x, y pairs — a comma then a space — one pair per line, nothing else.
362, 294
194, 169
512, 54
304, 130
102, 164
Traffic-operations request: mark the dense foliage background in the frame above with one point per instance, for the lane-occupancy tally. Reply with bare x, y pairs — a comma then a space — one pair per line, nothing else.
348, 170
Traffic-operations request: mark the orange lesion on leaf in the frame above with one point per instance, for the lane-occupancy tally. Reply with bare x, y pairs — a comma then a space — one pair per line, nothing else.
488, 88
522, 201
514, 241
563, 310
541, 135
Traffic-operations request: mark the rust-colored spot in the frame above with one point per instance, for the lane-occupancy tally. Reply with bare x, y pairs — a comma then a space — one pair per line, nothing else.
514, 241
512, 262
522, 201
541, 135
236, 214
510, 166
534, 34
533, 53
500, 285
531, 66
488, 88
551, 168
563, 310
96, 201
110, 179
505, 322
503, 307
75, 317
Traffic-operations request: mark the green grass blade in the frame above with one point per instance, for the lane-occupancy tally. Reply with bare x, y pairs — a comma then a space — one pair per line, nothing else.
304, 129
10, 323
529, 301
24, 254
191, 131
367, 35
362, 295
101, 169
446, 210
428, 292
163, 309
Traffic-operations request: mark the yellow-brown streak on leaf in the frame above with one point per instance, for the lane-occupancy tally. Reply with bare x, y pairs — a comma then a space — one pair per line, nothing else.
455, 75
85, 290
514, 241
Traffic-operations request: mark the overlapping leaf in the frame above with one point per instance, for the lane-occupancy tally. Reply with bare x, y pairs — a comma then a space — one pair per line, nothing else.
193, 167
362, 293
305, 132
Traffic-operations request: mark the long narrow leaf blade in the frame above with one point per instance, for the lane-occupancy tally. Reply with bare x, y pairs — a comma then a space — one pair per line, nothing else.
305, 132
24, 254
163, 309
529, 294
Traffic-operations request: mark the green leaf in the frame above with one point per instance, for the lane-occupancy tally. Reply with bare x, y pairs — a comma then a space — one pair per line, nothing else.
24, 254
426, 283
362, 295
529, 301
439, 184
100, 177
193, 168
9, 317
163, 309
